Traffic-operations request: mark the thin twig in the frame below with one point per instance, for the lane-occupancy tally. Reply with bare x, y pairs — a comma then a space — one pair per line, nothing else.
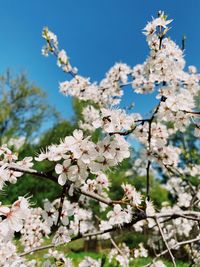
119, 250
124, 133
165, 241
149, 149
148, 180
178, 244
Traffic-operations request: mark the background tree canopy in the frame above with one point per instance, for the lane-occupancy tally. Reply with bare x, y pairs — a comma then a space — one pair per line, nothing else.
24, 112
23, 107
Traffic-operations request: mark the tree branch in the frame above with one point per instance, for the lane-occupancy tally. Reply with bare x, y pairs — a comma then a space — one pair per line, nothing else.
119, 250
14, 167
190, 241
62, 198
190, 215
165, 241
137, 217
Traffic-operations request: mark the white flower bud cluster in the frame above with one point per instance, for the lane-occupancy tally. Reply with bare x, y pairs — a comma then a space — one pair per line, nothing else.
34, 230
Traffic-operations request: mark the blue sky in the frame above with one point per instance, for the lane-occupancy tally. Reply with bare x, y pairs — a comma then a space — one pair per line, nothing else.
95, 34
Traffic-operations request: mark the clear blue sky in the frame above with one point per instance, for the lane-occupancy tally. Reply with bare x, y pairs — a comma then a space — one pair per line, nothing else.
95, 34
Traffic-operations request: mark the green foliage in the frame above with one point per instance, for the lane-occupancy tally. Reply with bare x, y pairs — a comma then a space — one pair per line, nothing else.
56, 133
35, 187
78, 106
157, 192
23, 107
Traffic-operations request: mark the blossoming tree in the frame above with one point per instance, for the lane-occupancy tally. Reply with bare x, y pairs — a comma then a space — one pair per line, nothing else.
81, 166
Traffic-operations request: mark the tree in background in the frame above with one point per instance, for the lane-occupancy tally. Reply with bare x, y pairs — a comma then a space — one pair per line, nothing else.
23, 108
23, 115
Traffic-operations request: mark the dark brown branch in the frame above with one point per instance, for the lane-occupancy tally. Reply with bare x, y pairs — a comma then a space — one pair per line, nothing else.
149, 149
95, 196
14, 167
140, 216
148, 180
141, 122
137, 217
124, 133
183, 43
90, 194
62, 198
191, 112
190, 215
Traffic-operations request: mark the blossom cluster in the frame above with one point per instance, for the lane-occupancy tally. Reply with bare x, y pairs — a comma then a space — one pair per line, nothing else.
8, 164
34, 230
80, 154
121, 255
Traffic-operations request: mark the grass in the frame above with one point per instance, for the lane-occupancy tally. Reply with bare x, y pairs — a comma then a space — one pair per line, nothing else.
77, 257
73, 251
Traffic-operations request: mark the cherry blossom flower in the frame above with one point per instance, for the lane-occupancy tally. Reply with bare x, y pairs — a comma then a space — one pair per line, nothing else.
132, 194
14, 216
118, 215
62, 236
66, 171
